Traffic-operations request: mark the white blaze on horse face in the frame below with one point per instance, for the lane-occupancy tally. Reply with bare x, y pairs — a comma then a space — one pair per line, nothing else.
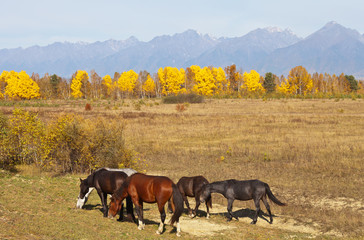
82, 201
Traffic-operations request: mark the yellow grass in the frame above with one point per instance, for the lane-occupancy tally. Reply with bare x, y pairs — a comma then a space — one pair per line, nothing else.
309, 151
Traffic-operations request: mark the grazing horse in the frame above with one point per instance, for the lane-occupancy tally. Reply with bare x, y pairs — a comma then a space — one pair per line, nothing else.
150, 189
106, 181
242, 190
191, 187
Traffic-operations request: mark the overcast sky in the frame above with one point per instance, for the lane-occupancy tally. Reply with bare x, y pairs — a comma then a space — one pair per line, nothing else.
25, 23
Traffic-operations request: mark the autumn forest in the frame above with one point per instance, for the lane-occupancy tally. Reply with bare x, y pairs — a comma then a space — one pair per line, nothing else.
207, 81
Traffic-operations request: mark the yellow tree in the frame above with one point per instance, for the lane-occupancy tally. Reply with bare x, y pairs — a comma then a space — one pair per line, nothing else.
76, 84
251, 82
127, 81
221, 82
172, 80
149, 86
300, 80
204, 81
285, 87
109, 84
19, 85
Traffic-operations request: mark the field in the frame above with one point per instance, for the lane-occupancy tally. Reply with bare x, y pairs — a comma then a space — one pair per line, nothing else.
310, 152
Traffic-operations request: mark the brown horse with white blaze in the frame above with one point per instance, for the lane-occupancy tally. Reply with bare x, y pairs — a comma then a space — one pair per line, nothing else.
150, 189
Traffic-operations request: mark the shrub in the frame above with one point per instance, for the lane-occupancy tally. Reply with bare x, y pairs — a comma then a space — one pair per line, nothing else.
180, 107
88, 107
184, 98
67, 144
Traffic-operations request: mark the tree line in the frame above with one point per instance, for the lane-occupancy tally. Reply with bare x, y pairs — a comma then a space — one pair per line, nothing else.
205, 81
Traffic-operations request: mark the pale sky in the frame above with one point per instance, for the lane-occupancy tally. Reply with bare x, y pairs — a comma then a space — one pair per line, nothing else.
25, 23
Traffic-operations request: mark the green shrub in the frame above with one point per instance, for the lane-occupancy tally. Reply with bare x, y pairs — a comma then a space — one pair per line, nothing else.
184, 98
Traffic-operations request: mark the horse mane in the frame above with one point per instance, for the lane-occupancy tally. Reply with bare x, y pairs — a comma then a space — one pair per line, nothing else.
119, 192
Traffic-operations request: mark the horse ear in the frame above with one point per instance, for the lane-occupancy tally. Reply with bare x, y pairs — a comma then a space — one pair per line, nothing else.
80, 179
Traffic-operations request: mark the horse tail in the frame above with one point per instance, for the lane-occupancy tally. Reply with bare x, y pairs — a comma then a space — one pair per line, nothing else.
177, 204
272, 197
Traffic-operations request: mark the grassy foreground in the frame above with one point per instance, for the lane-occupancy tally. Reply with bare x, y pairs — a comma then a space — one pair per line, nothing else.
309, 151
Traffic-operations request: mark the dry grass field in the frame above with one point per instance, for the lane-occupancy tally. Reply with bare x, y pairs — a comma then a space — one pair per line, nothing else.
310, 152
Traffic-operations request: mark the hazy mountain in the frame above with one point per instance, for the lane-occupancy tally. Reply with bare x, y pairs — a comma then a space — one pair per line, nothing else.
246, 51
60, 58
159, 52
332, 49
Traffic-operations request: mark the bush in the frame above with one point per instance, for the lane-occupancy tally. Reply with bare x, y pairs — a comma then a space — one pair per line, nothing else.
68, 144
184, 98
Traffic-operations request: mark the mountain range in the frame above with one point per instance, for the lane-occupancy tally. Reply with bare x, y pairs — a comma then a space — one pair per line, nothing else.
333, 49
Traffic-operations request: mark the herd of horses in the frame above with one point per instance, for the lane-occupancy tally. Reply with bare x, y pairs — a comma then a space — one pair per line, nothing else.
138, 188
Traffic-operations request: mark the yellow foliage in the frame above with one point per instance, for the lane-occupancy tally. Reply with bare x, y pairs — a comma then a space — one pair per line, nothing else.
77, 83
172, 80
299, 82
19, 85
251, 82
107, 81
204, 81
222, 84
127, 81
149, 86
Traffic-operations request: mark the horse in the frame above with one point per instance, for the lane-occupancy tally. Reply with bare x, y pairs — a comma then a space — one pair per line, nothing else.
150, 189
106, 181
242, 190
191, 187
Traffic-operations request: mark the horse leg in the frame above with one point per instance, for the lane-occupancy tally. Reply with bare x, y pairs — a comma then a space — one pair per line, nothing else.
230, 208
208, 202
121, 212
103, 197
170, 210
163, 218
197, 199
190, 213
268, 208
139, 211
257, 205
129, 209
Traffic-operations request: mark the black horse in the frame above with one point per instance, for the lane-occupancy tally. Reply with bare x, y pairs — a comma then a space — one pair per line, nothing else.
242, 190
105, 181
191, 187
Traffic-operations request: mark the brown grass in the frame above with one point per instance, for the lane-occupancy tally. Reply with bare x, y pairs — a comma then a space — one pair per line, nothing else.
306, 150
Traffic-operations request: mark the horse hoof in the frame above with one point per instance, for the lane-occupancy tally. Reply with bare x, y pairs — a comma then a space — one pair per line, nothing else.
253, 222
228, 220
158, 232
178, 234
140, 227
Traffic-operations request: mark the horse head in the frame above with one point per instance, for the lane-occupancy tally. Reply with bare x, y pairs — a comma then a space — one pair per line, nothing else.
205, 193
116, 201
83, 195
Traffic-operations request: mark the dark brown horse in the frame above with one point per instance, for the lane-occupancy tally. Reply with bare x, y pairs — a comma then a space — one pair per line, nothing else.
242, 190
150, 189
191, 187
105, 181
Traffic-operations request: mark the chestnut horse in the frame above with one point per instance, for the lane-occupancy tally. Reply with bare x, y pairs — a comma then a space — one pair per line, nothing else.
105, 181
242, 190
150, 189
191, 187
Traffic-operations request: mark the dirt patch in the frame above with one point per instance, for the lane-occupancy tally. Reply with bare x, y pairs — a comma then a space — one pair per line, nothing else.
202, 226
208, 227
